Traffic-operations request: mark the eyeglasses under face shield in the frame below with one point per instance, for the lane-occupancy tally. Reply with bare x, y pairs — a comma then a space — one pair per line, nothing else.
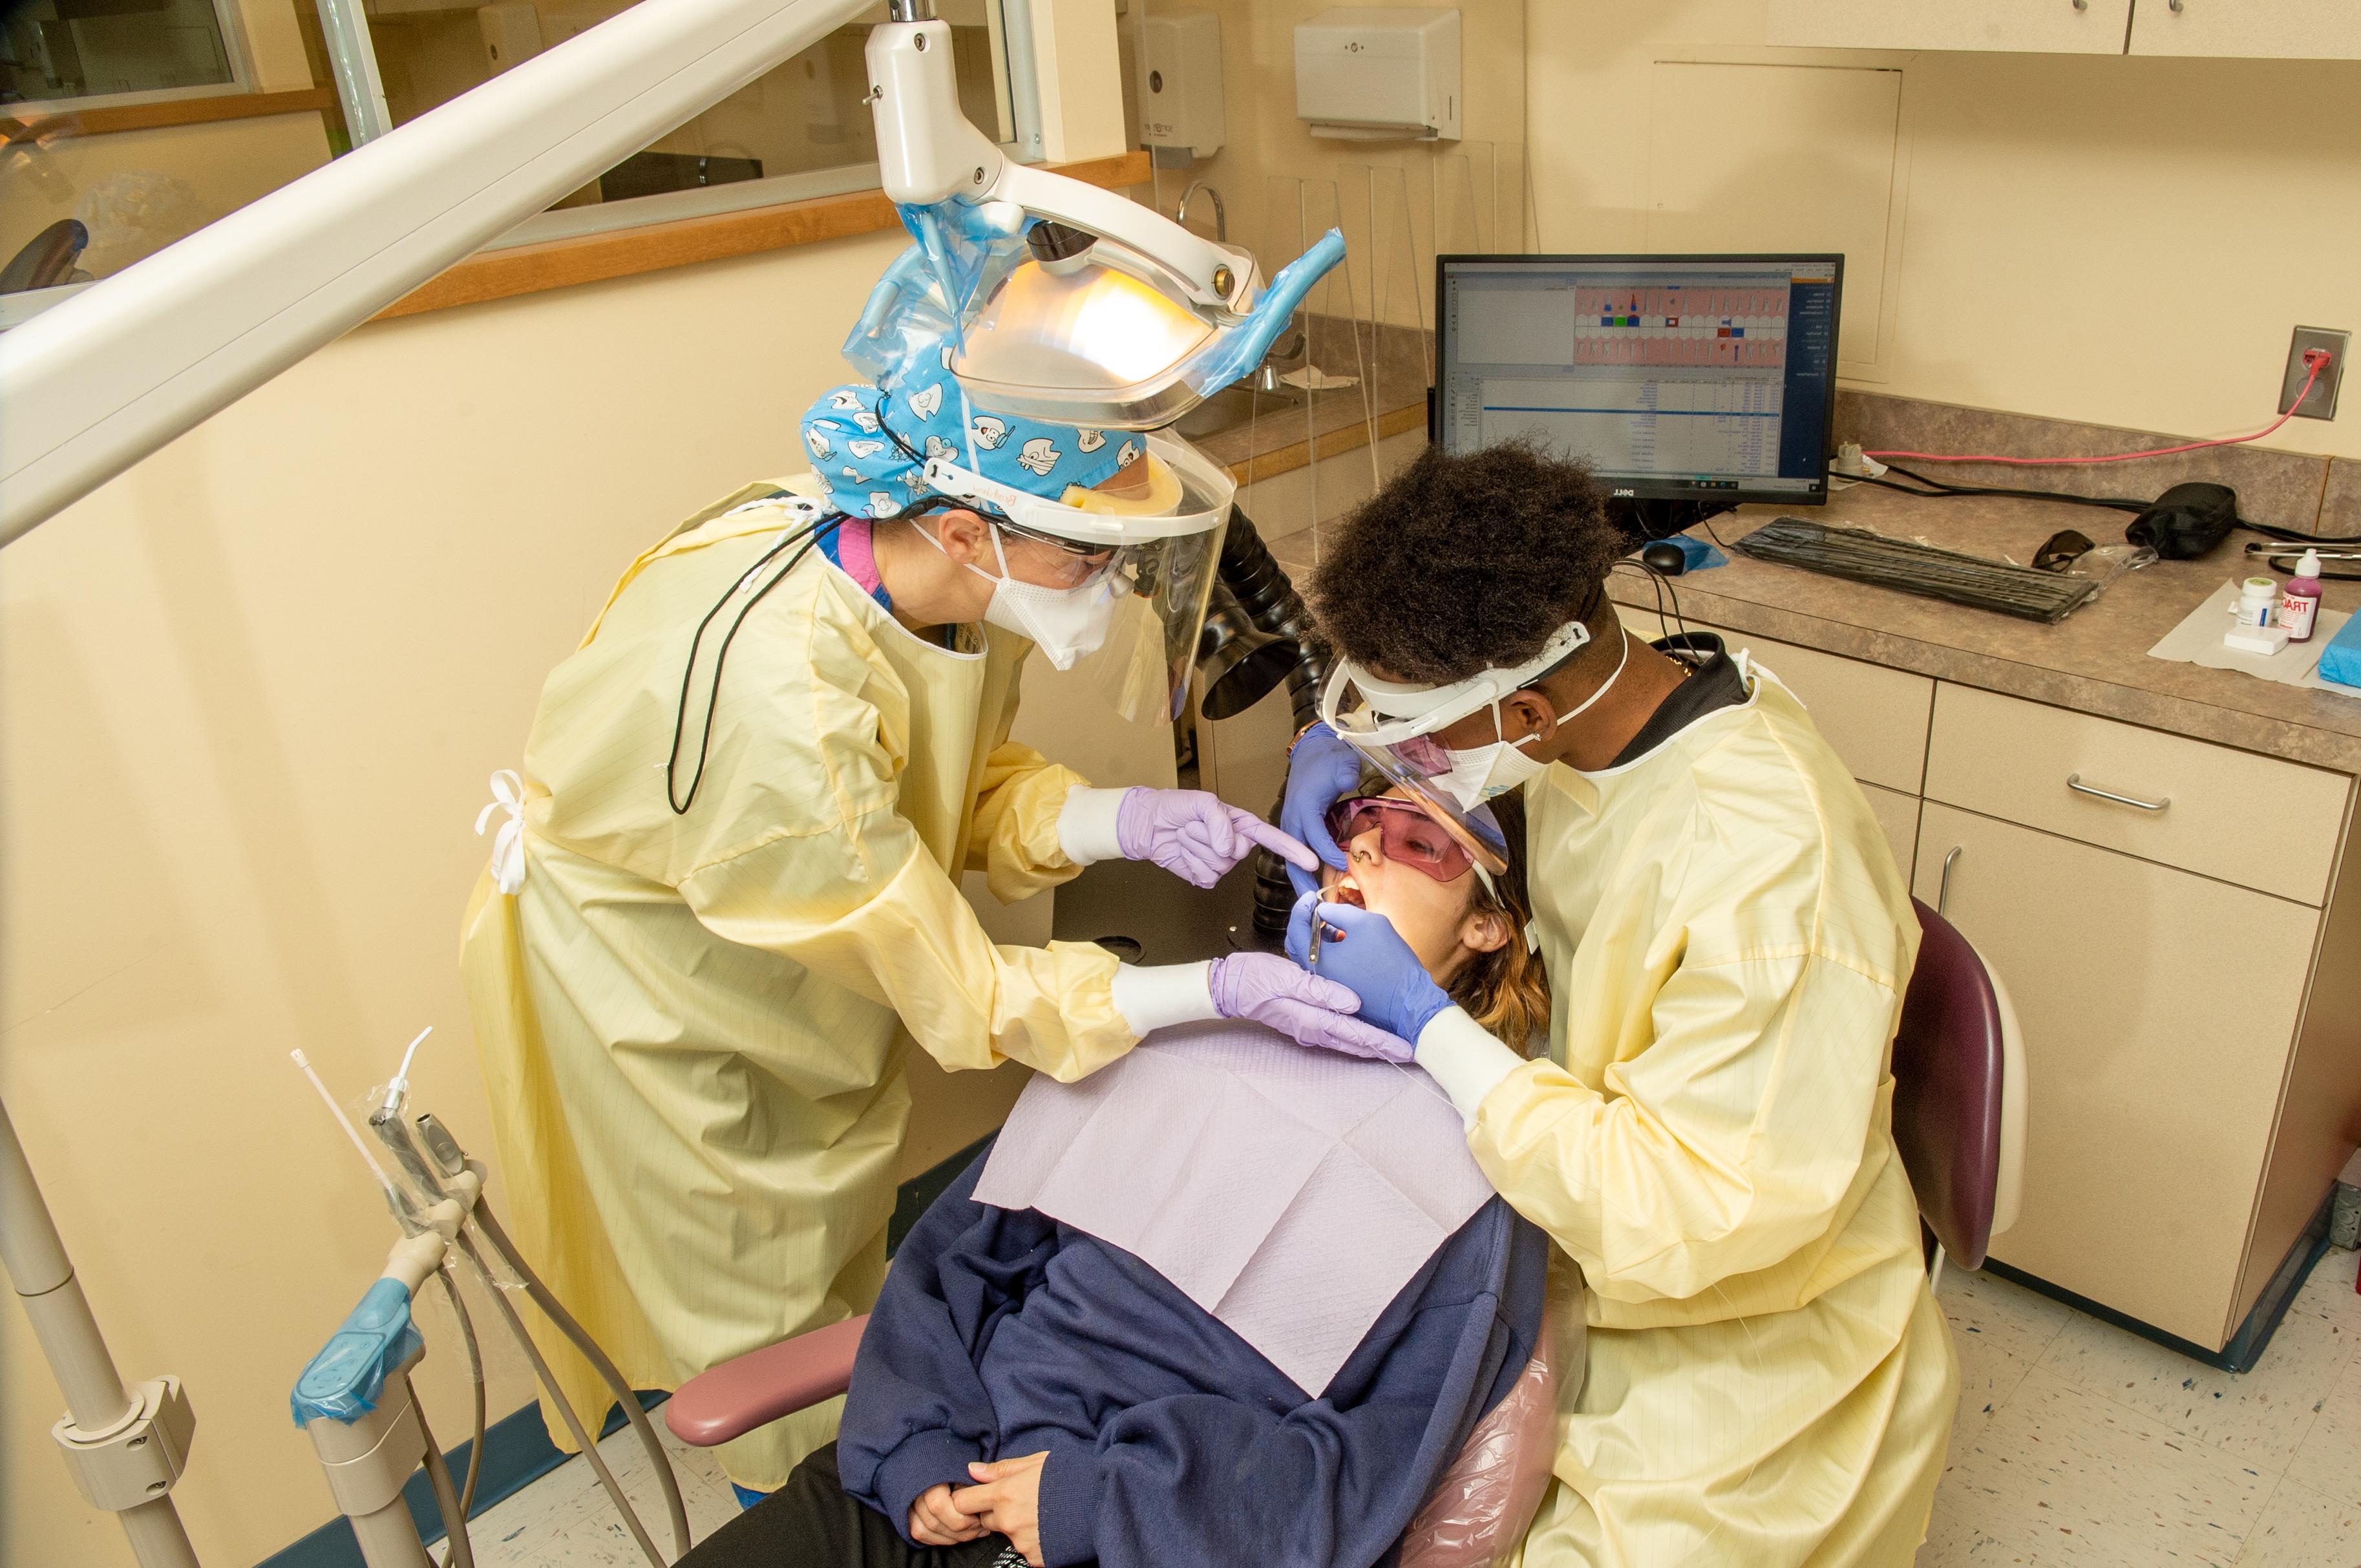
1156, 542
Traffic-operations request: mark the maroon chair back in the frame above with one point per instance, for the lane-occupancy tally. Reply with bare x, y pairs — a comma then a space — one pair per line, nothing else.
1947, 1090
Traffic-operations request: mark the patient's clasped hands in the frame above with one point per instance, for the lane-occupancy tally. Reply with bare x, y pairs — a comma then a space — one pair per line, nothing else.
1006, 1500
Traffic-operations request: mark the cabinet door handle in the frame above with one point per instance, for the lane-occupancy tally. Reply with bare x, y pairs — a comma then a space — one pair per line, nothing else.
2074, 782
1943, 888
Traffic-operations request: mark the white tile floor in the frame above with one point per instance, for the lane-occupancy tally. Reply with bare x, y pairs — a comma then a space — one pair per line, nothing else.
2077, 1445
563, 1519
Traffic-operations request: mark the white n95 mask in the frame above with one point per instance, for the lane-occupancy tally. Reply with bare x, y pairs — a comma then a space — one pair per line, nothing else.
1479, 773
1484, 773
1064, 623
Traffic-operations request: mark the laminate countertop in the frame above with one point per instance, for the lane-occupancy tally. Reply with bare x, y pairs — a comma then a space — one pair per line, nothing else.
2095, 660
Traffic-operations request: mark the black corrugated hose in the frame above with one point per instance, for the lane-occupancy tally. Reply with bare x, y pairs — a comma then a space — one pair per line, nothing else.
1260, 584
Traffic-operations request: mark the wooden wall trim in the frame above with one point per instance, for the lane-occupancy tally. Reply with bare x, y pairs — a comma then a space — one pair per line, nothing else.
175, 112
652, 248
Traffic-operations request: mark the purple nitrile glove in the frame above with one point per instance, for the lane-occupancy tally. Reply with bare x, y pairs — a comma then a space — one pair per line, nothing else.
1370, 957
1309, 1011
1322, 769
1196, 835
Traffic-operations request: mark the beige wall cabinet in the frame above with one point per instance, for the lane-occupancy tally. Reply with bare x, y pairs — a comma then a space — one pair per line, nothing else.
2015, 27
2264, 29
2157, 1008
2253, 29
2156, 905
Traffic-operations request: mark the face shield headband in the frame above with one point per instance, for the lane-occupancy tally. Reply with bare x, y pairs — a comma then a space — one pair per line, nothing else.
1399, 719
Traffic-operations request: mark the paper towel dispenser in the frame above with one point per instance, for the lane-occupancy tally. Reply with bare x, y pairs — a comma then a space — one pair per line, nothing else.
1181, 115
1379, 74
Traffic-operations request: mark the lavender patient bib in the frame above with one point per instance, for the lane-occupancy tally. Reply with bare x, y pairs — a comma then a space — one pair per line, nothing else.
1289, 1193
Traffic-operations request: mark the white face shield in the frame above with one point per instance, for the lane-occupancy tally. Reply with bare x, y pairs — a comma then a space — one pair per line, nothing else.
1394, 725
1153, 548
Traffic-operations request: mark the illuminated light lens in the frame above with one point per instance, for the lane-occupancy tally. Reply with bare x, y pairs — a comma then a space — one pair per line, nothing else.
1092, 329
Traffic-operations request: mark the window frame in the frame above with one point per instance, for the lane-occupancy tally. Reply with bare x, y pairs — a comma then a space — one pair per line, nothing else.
228, 16
1008, 23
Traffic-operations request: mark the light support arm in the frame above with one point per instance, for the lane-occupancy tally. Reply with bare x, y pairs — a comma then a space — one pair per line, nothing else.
928, 152
91, 386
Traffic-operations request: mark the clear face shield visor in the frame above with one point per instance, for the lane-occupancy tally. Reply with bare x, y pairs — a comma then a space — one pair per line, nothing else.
1151, 548
1394, 726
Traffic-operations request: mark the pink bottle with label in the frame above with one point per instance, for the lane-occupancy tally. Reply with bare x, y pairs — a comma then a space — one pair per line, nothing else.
2300, 603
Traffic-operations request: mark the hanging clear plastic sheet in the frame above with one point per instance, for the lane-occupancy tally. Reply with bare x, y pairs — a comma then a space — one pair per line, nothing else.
1476, 1515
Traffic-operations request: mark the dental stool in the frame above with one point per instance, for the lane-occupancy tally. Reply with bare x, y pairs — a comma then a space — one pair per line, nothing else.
1476, 1517
1959, 1096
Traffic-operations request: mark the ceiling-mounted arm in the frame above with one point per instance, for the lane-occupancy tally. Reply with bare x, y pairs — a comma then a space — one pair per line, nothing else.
93, 385
928, 152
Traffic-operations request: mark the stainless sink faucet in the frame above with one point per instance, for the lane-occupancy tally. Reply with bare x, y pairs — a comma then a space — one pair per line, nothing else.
1221, 219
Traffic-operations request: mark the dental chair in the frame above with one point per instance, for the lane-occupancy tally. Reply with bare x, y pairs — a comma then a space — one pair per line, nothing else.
1959, 1096
1475, 1517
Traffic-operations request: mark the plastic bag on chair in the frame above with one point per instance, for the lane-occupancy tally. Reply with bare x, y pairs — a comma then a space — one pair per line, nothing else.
1479, 1509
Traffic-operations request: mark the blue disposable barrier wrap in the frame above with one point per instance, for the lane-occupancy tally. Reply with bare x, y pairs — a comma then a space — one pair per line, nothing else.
345, 1379
1699, 554
1241, 348
2341, 660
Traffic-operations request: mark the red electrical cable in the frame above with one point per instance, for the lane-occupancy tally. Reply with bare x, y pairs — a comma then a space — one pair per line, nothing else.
2318, 365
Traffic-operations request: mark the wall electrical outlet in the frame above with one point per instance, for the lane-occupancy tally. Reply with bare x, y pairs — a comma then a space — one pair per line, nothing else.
2321, 402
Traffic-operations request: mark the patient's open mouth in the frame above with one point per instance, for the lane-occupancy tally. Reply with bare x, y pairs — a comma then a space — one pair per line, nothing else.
1345, 890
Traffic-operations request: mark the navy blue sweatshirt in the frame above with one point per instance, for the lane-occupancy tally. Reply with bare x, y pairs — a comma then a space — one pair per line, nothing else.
1171, 1441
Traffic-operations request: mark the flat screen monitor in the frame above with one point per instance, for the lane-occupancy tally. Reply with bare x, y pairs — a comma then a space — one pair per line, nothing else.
1677, 377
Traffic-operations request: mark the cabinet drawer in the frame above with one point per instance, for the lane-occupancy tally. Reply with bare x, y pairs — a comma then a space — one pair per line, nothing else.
1874, 718
2015, 27
2158, 1011
2255, 821
2251, 29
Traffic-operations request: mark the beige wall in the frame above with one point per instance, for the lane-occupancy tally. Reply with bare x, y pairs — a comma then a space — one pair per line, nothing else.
252, 690
2120, 240
250, 693
1284, 186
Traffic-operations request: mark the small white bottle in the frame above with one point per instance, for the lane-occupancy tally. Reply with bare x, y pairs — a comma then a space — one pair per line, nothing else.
2258, 602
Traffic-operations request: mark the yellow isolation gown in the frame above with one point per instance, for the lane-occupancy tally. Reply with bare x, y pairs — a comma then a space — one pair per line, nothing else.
692, 1026
1770, 1381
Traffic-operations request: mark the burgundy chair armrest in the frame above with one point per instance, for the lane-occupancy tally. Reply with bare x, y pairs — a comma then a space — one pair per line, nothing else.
758, 1387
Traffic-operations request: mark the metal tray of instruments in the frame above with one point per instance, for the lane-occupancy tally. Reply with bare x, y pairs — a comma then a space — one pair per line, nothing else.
1907, 566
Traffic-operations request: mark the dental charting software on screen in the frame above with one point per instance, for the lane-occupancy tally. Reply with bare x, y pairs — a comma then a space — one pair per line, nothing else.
1672, 375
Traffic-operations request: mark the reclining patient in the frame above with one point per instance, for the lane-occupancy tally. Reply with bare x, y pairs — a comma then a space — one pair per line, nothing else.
1226, 1301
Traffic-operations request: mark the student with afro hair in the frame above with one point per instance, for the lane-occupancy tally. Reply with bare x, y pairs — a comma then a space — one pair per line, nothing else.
1726, 939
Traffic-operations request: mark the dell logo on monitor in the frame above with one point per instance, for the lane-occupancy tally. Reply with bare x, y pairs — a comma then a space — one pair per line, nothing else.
1623, 495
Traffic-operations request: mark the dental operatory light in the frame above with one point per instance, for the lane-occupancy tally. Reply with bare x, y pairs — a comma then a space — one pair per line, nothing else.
1074, 304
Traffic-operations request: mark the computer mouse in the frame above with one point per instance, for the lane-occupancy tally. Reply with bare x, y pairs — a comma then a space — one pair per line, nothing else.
1664, 558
